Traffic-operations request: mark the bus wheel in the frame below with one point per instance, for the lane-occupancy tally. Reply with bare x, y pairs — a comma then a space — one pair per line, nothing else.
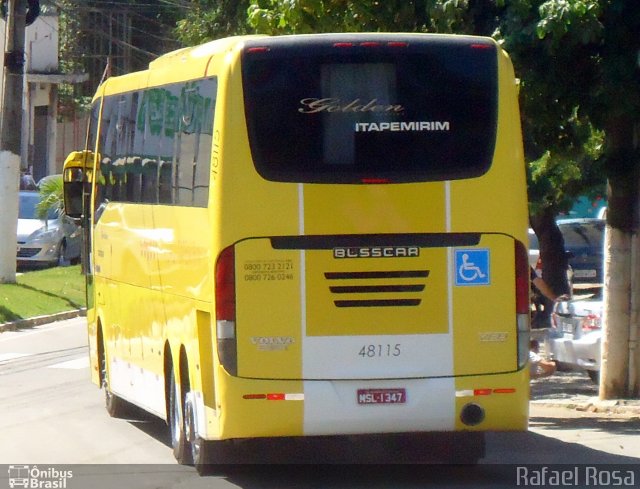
202, 451
116, 406
181, 447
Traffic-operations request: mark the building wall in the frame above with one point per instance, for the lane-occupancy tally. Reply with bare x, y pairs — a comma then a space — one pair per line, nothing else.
71, 136
41, 56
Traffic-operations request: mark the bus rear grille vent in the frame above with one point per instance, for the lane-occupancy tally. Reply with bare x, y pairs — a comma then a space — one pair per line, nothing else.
353, 285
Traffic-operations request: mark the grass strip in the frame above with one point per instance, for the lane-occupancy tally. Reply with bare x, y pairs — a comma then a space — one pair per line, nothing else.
42, 292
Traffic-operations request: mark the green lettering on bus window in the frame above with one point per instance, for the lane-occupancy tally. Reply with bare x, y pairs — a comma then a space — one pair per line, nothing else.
155, 109
171, 114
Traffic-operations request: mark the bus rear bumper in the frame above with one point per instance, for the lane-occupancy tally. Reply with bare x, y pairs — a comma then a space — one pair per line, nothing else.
290, 408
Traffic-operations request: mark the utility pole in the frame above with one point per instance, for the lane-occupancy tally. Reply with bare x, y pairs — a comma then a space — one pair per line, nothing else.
10, 137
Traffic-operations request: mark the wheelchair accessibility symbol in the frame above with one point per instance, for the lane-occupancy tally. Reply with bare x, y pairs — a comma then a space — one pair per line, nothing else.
472, 267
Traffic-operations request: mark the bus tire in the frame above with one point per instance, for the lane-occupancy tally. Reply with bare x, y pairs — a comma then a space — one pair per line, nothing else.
204, 454
116, 406
181, 447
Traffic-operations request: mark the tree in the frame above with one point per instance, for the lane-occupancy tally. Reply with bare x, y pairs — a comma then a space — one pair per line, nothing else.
212, 19
596, 45
563, 147
119, 36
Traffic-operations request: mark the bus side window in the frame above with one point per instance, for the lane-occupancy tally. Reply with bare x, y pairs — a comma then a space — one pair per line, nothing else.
203, 112
156, 145
134, 180
164, 183
149, 181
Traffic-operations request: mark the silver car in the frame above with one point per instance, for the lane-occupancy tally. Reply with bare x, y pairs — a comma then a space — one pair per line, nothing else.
56, 240
575, 338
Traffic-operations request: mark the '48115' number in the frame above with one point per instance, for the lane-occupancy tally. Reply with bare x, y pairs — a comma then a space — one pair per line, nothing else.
376, 351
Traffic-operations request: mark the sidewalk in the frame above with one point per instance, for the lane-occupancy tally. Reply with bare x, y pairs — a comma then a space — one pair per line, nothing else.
574, 390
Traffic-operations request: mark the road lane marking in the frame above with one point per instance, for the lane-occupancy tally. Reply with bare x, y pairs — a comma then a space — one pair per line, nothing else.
76, 364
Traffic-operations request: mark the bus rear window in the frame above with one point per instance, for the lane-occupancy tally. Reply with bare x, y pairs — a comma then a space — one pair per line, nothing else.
335, 112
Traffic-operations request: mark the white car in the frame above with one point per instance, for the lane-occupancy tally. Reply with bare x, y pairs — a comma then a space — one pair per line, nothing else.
574, 341
53, 241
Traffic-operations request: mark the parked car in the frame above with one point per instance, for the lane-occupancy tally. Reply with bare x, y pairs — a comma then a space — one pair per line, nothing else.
574, 341
53, 241
584, 242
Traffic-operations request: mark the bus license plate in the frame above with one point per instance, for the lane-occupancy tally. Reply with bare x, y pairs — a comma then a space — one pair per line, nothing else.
382, 396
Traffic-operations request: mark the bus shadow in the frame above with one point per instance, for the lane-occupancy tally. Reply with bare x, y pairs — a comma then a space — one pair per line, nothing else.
149, 424
507, 454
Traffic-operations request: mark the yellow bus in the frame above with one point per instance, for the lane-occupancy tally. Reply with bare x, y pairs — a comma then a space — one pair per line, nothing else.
312, 237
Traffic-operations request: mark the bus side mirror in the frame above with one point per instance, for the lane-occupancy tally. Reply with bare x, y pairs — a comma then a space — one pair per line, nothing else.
75, 174
73, 199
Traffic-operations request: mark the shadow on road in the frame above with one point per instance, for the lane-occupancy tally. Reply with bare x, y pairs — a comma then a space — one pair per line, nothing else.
536, 448
565, 386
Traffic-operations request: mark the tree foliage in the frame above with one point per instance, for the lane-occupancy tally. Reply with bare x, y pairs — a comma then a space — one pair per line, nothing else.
212, 19
306, 16
52, 199
124, 35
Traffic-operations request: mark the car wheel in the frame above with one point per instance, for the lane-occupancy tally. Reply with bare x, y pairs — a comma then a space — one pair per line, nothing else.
62, 254
594, 375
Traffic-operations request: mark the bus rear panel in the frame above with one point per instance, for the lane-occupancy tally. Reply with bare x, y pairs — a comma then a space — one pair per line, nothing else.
379, 285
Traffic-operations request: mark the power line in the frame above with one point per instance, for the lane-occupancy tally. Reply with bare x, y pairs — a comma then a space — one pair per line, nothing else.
106, 30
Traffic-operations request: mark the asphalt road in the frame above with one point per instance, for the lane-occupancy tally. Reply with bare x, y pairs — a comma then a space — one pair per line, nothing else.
53, 417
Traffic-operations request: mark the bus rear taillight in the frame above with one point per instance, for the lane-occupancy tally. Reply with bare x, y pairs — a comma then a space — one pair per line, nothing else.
258, 49
226, 310
522, 302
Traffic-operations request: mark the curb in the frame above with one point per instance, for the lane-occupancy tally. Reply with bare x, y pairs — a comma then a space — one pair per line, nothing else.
594, 406
39, 320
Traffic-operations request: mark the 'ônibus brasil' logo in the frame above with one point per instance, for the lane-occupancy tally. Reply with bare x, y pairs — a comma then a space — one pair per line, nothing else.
38, 478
